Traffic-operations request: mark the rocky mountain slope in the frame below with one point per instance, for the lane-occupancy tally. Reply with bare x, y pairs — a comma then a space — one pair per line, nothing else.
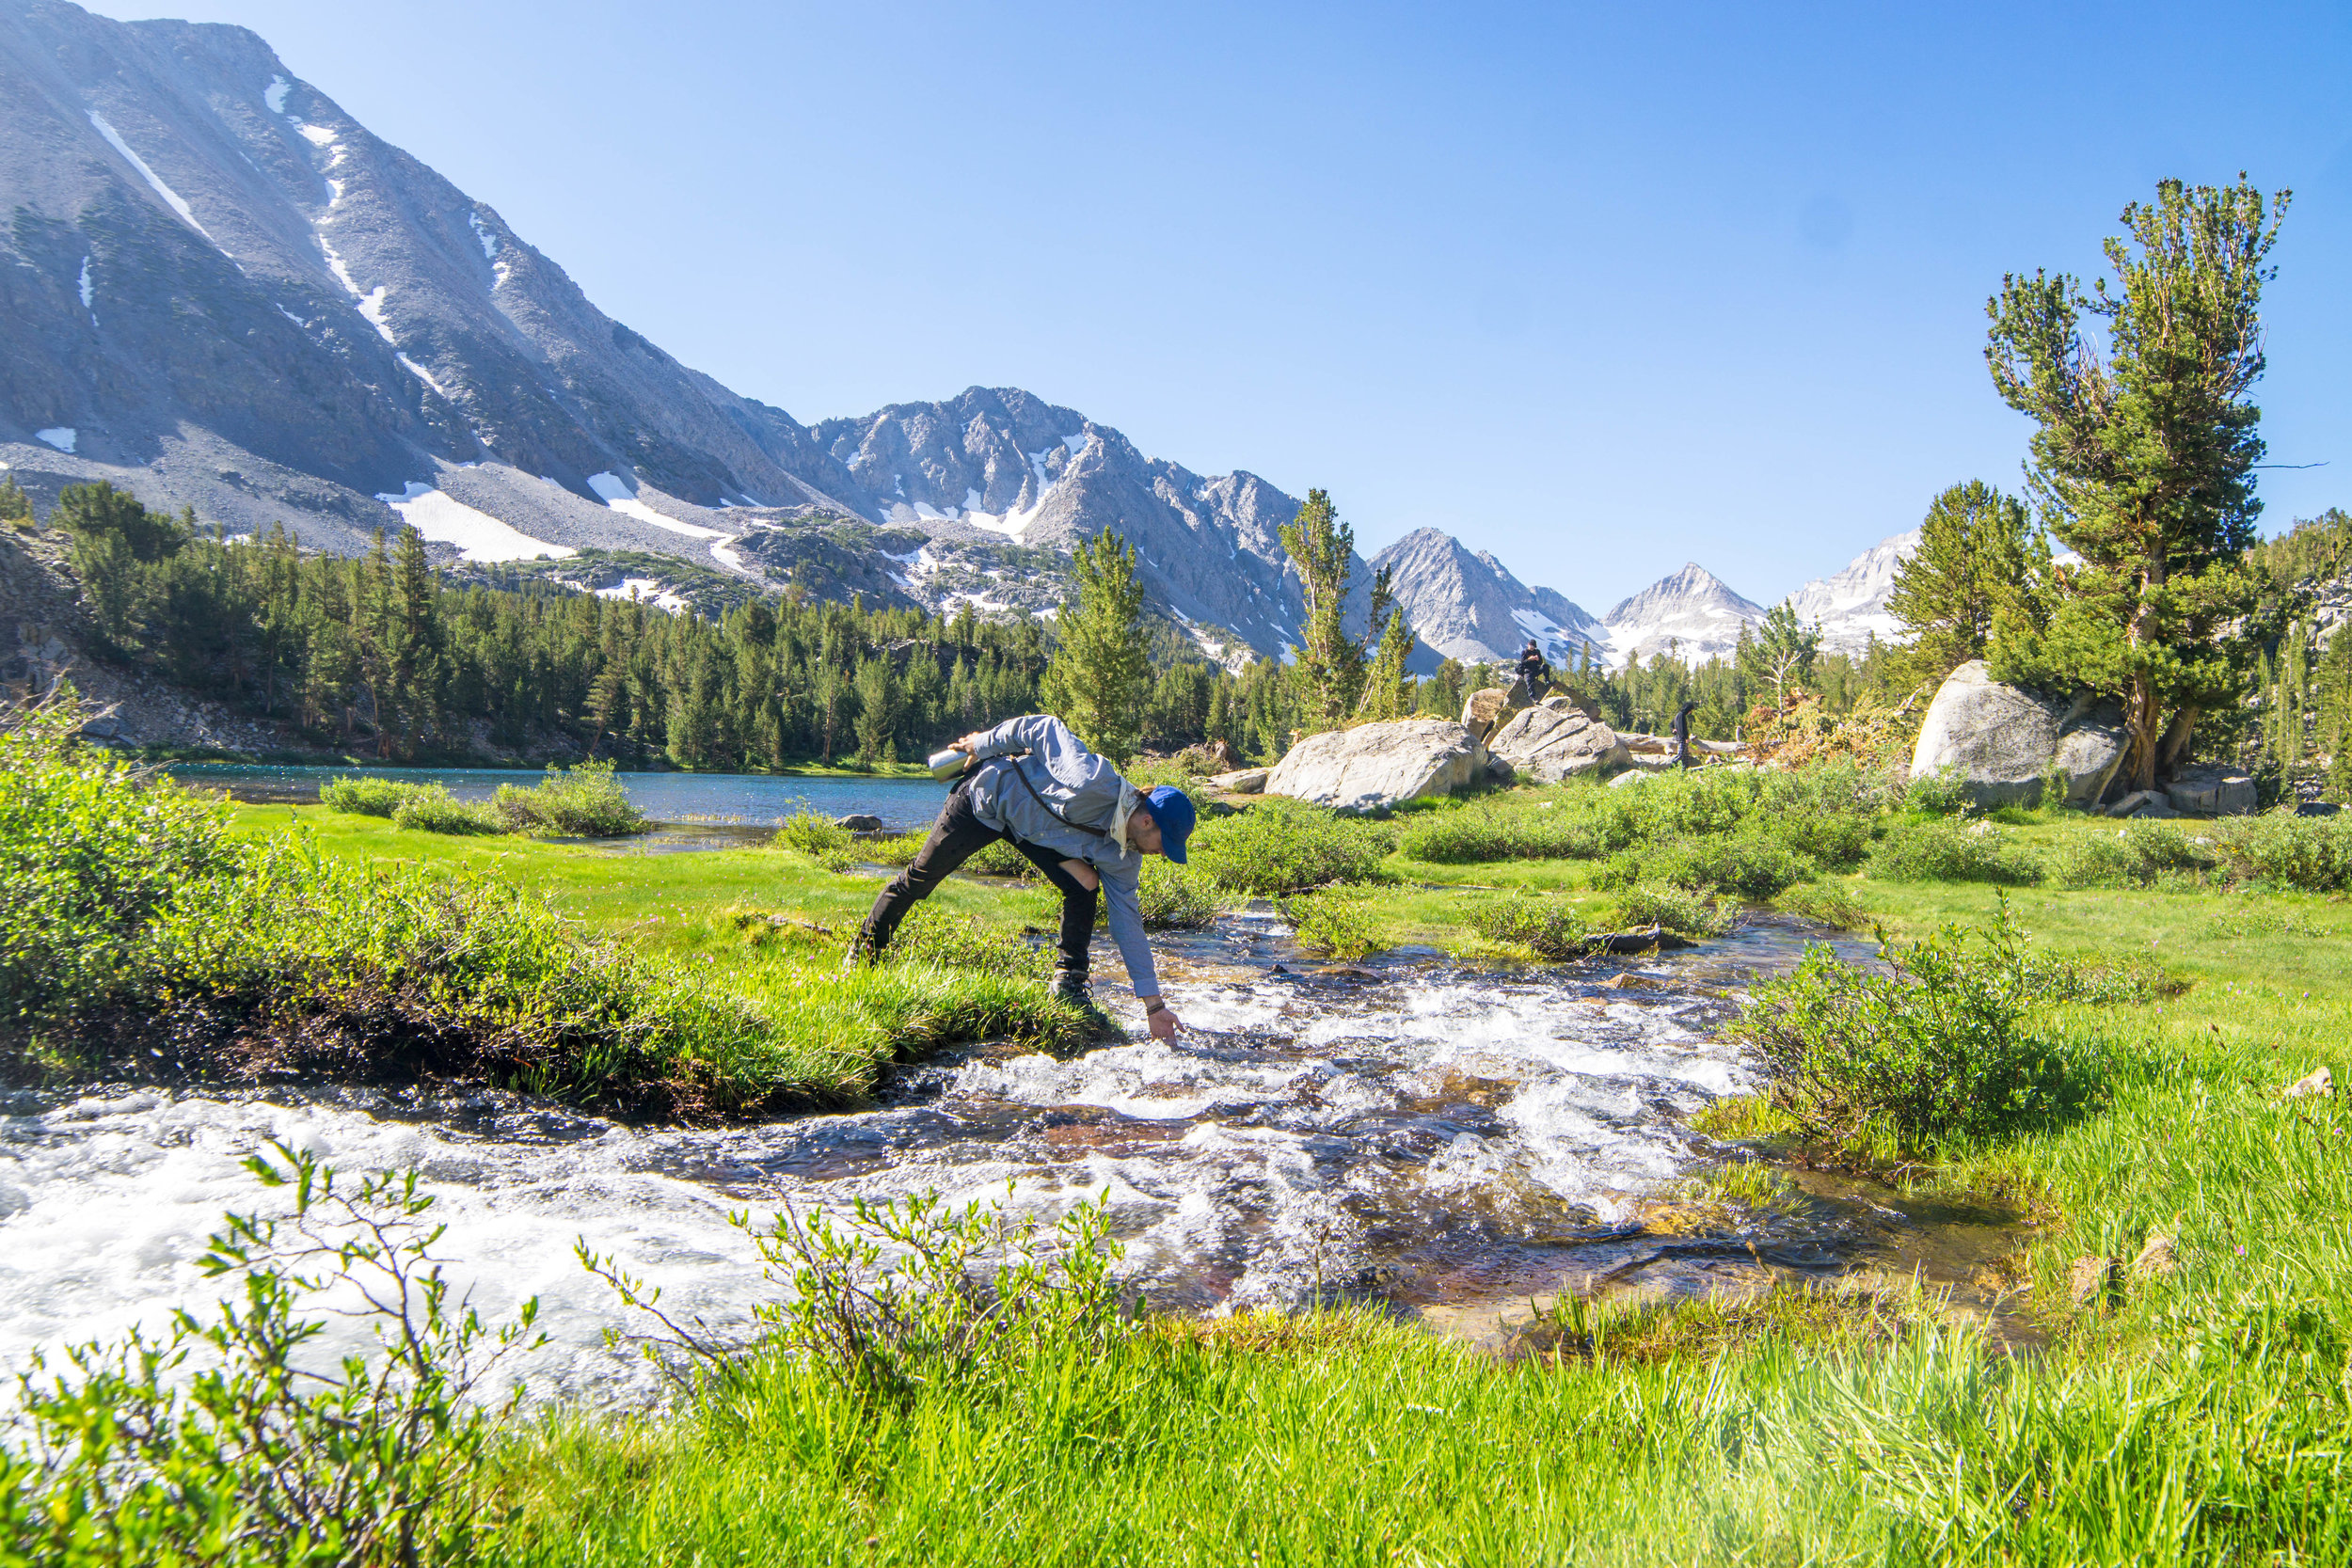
1468, 606
998, 467
222, 292
227, 293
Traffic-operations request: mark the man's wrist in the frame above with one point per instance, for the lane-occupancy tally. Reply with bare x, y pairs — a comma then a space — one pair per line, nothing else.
1154, 1004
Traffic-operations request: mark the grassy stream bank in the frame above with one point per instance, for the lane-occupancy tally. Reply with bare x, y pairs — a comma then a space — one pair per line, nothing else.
2189, 1404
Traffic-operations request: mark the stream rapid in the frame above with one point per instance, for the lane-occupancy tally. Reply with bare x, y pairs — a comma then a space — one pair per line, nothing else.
1443, 1141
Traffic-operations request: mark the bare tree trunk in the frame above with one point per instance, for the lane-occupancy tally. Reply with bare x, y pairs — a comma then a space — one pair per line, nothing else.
2141, 717
2176, 738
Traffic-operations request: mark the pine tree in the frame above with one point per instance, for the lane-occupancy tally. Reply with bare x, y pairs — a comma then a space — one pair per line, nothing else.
1977, 554
15, 505
1387, 689
1779, 653
1099, 675
1329, 661
2144, 462
881, 700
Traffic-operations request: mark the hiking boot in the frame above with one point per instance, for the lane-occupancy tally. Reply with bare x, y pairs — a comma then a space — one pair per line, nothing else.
1069, 985
860, 956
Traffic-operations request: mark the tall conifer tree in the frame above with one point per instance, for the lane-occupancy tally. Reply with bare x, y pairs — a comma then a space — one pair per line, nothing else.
1976, 558
1099, 677
2144, 462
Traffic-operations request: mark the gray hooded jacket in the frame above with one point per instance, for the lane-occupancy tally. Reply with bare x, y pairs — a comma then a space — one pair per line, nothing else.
1062, 775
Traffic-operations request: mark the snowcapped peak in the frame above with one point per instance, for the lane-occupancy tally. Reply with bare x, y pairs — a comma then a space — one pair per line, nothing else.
1851, 604
1690, 610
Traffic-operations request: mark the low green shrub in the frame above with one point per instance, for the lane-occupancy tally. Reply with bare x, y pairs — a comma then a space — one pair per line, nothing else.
1947, 852
1334, 923
367, 1459
90, 858
582, 801
1503, 830
1834, 840
1001, 858
1176, 897
1749, 862
1945, 1045
364, 795
2312, 853
1280, 846
2140, 855
1942, 793
813, 834
1680, 911
1548, 927
1825, 904
893, 848
430, 808
909, 1296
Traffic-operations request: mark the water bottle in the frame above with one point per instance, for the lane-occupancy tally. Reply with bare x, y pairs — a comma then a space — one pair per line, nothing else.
947, 764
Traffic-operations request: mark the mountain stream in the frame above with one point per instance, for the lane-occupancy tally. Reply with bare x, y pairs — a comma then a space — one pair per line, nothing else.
1445, 1141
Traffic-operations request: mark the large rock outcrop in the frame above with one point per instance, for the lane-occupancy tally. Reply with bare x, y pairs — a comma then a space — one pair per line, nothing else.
1375, 766
1488, 709
2212, 792
2005, 740
1553, 742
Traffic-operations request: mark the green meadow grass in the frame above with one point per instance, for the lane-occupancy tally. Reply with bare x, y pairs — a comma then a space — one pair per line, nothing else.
2194, 1415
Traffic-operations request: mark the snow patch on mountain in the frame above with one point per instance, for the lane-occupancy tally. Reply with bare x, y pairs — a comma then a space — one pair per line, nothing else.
155, 180
421, 373
275, 94
618, 496
61, 437
478, 536
645, 590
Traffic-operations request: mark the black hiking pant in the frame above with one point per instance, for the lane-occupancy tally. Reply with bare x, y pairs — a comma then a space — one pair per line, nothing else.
956, 837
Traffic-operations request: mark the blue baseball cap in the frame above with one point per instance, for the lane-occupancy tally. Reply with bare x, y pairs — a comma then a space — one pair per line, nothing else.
1172, 808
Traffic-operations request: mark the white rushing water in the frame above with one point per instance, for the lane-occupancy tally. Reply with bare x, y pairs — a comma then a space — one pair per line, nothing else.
1408, 1132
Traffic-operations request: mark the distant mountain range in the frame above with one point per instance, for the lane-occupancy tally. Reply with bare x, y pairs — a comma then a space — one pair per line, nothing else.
223, 292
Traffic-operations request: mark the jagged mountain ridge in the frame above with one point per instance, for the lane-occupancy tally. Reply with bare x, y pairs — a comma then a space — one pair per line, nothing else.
223, 292
997, 466
227, 293
1468, 606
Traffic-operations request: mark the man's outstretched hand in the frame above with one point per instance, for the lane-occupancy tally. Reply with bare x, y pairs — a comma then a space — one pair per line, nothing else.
1162, 1022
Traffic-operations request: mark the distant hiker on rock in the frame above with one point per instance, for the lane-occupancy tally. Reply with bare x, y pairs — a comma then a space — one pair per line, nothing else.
1035, 785
1682, 735
1535, 672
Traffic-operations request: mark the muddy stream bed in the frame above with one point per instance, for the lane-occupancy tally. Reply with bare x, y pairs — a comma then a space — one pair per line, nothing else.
1446, 1143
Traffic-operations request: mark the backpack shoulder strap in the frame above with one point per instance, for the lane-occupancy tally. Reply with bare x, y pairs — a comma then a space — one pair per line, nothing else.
1039, 797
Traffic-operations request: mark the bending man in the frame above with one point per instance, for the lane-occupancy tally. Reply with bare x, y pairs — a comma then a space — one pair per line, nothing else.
1034, 785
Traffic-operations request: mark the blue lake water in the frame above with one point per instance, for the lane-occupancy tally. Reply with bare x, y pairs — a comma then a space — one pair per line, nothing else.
739, 800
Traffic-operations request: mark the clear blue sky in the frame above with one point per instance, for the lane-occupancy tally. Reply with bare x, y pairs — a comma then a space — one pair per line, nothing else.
1598, 288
